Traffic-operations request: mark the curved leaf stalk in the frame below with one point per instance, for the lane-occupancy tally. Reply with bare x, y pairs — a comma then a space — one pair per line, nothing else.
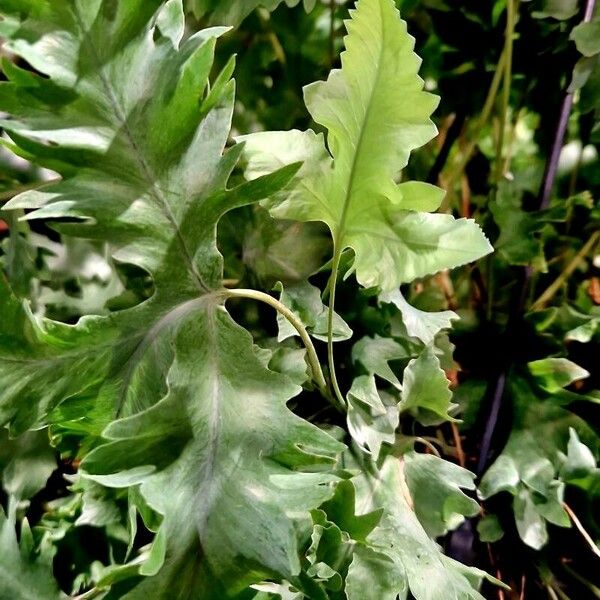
90, 594
337, 254
313, 359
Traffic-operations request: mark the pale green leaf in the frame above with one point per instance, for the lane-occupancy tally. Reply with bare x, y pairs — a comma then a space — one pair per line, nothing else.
530, 523
401, 547
24, 573
215, 443
587, 37
375, 112
305, 301
585, 69
585, 332
269, 591
371, 422
326, 553
553, 374
426, 390
580, 462
290, 362
375, 353
376, 574
419, 324
436, 487
99, 507
171, 21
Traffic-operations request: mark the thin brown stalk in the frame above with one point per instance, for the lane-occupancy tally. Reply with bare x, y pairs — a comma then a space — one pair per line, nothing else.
586, 536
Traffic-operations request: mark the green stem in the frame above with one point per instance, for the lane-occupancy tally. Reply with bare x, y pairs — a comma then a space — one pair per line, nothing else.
508, 52
313, 359
93, 593
555, 592
337, 255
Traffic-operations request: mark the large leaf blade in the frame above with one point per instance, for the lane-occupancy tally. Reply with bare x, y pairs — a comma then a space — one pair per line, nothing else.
376, 112
125, 112
215, 441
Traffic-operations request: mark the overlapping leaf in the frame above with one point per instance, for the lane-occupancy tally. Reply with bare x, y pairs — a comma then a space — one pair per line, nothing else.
232, 12
530, 466
418, 323
126, 115
134, 188
375, 112
25, 574
426, 390
436, 486
25, 464
197, 454
399, 555
371, 421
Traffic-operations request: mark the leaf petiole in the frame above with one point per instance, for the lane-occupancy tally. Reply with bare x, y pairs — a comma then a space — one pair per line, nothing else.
330, 312
313, 359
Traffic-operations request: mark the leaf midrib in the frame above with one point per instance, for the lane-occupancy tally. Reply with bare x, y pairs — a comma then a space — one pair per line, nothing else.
341, 231
207, 501
154, 190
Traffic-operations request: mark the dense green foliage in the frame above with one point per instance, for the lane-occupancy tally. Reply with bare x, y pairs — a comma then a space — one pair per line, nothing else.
255, 342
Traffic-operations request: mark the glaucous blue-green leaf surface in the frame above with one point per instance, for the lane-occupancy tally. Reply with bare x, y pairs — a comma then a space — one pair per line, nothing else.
532, 466
420, 324
214, 457
436, 487
305, 301
375, 354
426, 390
25, 574
126, 115
371, 420
399, 555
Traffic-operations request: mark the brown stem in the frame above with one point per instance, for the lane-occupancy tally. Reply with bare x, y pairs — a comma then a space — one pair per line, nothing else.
586, 536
